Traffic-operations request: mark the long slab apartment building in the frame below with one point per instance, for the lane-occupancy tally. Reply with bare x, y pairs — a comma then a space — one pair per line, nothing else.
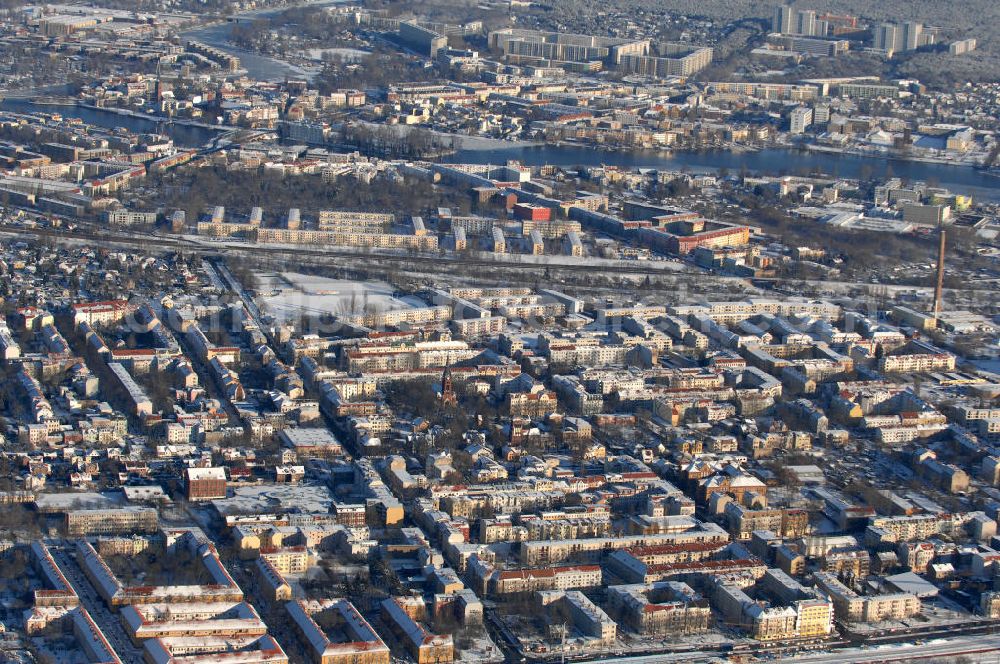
338, 228
592, 53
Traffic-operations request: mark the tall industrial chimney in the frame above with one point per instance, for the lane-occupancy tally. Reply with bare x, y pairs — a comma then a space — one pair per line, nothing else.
939, 287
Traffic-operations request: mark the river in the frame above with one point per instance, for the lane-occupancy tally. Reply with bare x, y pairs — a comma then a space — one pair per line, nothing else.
960, 179
257, 66
183, 135
260, 67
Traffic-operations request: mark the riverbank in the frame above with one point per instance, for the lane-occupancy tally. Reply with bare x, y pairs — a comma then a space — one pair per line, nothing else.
769, 161
456, 142
475, 143
260, 67
894, 156
184, 135
155, 118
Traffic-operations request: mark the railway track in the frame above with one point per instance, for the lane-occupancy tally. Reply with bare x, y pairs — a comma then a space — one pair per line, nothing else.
426, 263
162, 243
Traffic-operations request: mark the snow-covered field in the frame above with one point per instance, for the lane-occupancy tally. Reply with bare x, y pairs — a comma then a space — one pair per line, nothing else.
293, 296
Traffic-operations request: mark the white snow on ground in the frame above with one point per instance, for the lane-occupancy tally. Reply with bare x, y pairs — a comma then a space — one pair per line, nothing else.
290, 296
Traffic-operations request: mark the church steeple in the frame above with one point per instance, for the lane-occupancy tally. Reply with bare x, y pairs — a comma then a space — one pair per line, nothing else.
447, 388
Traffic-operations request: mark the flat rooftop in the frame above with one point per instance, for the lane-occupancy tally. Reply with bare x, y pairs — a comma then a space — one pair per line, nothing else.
276, 499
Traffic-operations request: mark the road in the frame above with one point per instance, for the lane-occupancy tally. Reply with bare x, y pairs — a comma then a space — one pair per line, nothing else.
691, 657
275, 616
237, 288
105, 619
698, 280
36, 92
975, 648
